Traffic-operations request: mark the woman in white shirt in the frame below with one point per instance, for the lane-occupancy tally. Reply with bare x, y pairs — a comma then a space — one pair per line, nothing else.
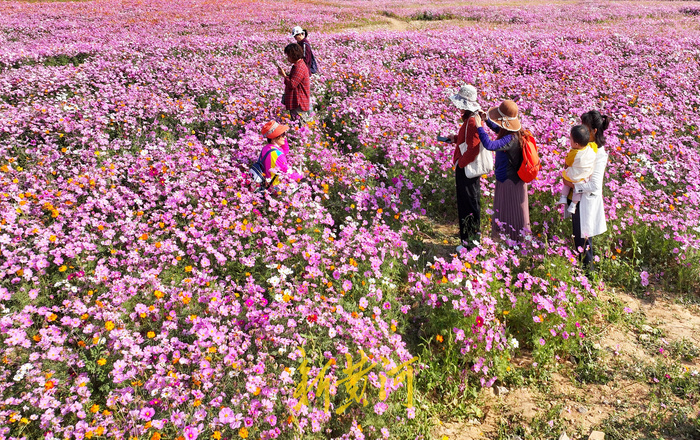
589, 218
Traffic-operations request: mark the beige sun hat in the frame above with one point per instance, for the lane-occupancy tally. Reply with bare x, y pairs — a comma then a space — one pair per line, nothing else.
506, 115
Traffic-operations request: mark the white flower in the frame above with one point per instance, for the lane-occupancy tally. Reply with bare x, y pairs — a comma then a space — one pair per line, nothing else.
514, 343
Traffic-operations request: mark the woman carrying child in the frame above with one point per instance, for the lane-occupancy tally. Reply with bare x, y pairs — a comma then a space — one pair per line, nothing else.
589, 218
510, 202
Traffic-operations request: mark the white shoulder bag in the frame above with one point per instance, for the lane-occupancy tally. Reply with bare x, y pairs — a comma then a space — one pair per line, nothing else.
483, 164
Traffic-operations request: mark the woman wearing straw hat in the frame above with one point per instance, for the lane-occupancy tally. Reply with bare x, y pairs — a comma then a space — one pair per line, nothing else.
510, 202
466, 149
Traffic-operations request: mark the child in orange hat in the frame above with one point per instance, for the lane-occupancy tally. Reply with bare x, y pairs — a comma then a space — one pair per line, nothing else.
273, 155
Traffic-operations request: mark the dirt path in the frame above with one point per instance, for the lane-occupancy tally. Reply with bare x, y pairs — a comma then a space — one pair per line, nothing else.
586, 407
396, 25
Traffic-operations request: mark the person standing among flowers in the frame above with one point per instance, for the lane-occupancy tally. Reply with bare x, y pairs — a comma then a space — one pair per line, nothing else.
297, 86
466, 149
510, 201
301, 36
588, 220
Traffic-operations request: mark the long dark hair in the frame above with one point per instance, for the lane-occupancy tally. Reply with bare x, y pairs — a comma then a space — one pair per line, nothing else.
466, 114
519, 135
595, 121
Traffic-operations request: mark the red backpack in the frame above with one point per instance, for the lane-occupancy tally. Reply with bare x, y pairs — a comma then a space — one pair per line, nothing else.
531, 160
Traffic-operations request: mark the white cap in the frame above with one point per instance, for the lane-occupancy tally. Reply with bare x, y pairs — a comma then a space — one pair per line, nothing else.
297, 30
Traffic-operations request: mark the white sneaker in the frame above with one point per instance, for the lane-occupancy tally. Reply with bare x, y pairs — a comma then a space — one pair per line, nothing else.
572, 208
562, 201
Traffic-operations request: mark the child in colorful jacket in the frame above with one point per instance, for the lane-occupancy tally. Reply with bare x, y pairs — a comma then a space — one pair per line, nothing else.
275, 151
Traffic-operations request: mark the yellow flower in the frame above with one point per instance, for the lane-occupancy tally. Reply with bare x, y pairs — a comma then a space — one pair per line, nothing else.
94, 408
243, 433
216, 435
188, 268
109, 325
51, 317
101, 362
439, 338
151, 335
158, 294
62, 268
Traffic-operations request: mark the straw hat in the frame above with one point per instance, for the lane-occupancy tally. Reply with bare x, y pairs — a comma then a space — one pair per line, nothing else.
272, 129
506, 115
465, 98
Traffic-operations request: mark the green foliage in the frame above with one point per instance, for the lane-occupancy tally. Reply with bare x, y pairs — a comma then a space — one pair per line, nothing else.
64, 60
433, 16
97, 367
590, 367
650, 249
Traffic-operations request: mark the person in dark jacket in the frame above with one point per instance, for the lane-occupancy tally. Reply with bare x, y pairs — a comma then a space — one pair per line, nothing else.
301, 36
510, 202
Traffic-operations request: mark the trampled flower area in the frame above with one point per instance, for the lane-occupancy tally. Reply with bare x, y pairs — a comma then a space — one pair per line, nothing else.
148, 292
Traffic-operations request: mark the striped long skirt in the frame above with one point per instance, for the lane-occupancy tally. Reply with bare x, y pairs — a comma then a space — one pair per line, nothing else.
511, 210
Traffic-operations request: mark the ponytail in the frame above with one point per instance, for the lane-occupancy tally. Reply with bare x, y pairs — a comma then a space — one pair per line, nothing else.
597, 122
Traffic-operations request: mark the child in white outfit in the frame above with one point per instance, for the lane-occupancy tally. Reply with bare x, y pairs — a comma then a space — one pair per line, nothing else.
580, 162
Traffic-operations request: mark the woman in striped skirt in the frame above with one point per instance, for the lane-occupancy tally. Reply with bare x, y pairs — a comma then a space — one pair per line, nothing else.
511, 215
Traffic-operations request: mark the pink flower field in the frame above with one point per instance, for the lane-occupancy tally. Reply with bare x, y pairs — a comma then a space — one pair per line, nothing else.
147, 292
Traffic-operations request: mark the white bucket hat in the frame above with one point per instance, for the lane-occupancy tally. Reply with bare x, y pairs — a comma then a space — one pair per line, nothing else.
465, 98
297, 30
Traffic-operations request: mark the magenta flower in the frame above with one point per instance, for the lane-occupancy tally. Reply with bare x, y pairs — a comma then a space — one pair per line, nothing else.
147, 413
190, 433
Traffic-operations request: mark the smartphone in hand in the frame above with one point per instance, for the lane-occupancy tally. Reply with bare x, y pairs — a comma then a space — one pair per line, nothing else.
444, 139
